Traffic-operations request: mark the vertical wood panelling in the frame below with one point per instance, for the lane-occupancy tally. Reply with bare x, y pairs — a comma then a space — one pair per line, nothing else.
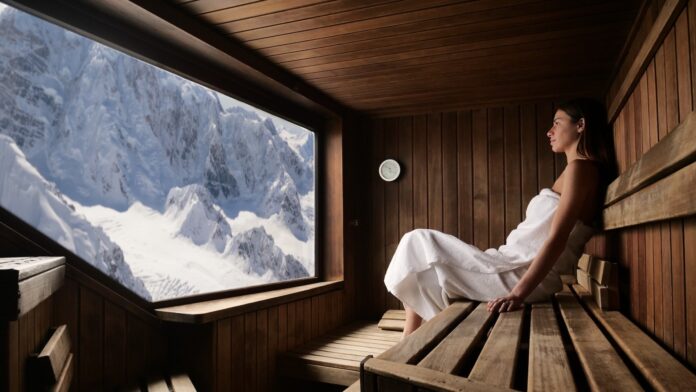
513, 191
434, 154
660, 255
528, 133
391, 201
405, 157
468, 173
237, 358
224, 354
249, 363
449, 174
465, 177
91, 340
496, 178
115, 343
545, 156
480, 154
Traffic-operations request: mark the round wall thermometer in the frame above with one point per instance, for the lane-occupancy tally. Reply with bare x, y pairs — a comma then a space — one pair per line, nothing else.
389, 170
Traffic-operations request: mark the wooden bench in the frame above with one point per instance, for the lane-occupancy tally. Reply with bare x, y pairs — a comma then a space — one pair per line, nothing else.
178, 382
541, 348
335, 357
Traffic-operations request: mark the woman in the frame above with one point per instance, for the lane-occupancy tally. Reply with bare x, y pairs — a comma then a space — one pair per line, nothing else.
430, 267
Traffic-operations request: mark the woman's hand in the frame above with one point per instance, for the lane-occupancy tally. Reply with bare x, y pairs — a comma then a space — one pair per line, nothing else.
505, 304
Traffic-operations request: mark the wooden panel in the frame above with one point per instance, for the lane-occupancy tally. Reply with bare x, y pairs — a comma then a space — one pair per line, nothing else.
497, 362
91, 340
428, 334
663, 96
663, 23
495, 167
669, 198
549, 369
425, 378
391, 200
513, 191
496, 175
465, 176
601, 363
434, 163
458, 345
449, 174
658, 366
480, 186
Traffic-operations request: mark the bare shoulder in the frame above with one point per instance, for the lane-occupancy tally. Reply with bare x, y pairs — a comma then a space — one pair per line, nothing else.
582, 173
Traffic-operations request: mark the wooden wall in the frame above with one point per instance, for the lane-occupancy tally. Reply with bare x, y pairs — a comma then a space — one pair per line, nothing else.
658, 260
20, 338
468, 173
114, 345
240, 352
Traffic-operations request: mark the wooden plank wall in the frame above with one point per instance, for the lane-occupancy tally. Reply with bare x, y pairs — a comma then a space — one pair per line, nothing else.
468, 173
112, 346
239, 352
21, 338
658, 260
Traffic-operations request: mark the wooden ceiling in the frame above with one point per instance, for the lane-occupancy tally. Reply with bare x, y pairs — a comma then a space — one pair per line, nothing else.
392, 57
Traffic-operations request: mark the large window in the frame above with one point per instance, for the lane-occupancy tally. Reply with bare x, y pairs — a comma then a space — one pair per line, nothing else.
168, 187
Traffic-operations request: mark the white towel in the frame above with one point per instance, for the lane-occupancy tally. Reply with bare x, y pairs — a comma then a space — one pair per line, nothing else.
430, 267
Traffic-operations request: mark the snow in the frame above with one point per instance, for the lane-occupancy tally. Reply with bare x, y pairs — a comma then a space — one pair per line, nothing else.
190, 190
155, 252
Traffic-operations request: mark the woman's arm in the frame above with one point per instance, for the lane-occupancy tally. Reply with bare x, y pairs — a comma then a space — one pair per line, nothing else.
578, 185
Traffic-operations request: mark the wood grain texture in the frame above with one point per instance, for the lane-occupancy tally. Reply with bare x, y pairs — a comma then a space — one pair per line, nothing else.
659, 367
601, 363
474, 183
549, 369
496, 365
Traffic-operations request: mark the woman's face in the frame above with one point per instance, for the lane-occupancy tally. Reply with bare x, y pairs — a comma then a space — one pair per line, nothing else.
564, 133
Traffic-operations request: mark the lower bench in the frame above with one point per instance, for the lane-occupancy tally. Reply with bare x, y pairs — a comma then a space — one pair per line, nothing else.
335, 357
568, 344
176, 383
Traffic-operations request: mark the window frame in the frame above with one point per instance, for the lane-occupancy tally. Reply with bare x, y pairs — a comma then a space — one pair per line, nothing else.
106, 34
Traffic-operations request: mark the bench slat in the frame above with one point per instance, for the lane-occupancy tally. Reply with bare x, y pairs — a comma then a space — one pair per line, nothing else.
65, 378
660, 368
158, 385
394, 314
308, 371
675, 150
425, 378
670, 197
338, 349
182, 383
548, 363
602, 364
51, 360
324, 353
496, 363
455, 348
391, 324
428, 334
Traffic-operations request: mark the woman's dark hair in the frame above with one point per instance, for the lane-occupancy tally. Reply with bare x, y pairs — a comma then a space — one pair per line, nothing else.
596, 141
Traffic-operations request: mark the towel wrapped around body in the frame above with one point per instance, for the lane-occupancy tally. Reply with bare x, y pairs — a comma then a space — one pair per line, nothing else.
429, 267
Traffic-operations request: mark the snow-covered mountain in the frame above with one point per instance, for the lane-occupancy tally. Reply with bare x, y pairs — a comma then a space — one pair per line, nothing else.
197, 217
112, 131
36, 201
260, 256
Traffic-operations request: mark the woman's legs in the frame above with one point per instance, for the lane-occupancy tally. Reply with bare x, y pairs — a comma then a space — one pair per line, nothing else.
413, 321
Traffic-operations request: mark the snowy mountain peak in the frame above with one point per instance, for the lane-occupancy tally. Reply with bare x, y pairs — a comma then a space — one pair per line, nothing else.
197, 217
41, 205
260, 255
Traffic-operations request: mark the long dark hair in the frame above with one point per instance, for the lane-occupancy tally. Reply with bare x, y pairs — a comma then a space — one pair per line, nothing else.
597, 140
